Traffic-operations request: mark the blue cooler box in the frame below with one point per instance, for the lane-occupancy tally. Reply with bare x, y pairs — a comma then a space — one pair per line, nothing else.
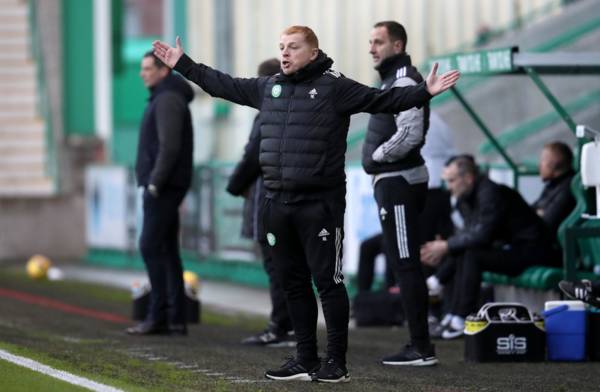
566, 326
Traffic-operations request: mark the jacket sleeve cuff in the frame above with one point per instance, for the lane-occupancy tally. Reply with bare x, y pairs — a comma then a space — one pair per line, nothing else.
425, 93
184, 64
233, 190
453, 245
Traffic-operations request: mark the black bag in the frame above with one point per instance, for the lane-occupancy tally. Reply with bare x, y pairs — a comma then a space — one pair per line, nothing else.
504, 332
193, 307
377, 308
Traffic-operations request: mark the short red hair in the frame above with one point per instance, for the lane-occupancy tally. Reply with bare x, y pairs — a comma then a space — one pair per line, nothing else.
309, 35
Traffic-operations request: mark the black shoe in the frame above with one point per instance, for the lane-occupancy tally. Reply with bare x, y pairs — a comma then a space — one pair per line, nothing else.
580, 290
269, 338
410, 356
332, 371
293, 369
148, 328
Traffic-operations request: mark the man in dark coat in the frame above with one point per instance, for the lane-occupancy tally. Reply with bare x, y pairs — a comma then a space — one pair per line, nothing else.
164, 169
305, 114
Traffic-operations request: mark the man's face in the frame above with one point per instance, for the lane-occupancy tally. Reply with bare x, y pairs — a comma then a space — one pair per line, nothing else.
457, 184
548, 163
295, 53
151, 74
382, 47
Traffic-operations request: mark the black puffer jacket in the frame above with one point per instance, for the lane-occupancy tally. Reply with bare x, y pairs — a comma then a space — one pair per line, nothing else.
305, 118
165, 147
494, 215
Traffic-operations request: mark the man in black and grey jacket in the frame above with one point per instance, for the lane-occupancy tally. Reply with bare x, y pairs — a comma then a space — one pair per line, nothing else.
164, 169
305, 114
392, 155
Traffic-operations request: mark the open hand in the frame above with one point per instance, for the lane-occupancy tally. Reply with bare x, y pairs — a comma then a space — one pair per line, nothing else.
168, 54
437, 84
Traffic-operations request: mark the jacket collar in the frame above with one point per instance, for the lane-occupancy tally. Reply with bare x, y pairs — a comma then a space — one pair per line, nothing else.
557, 180
312, 70
175, 83
389, 65
469, 196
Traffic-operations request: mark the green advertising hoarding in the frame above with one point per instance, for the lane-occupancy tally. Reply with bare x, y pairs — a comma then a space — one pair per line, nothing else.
486, 62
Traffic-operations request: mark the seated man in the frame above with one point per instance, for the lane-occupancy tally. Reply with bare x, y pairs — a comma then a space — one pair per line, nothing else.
556, 201
501, 234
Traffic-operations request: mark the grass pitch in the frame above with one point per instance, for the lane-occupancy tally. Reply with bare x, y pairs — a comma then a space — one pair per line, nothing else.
211, 358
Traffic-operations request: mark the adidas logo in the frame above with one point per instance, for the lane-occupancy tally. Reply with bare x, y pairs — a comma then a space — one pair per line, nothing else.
382, 213
312, 93
323, 234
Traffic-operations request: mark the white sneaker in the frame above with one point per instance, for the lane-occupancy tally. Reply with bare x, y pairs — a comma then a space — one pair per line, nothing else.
450, 333
434, 286
455, 329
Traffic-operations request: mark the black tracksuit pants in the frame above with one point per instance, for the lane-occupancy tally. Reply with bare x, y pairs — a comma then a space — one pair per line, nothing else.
159, 246
279, 321
400, 204
306, 241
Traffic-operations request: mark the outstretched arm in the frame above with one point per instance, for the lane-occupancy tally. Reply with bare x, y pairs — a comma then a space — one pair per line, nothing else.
217, 84
353, 97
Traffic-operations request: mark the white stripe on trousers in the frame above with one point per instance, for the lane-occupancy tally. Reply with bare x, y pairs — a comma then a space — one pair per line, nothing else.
401, 238
337, 275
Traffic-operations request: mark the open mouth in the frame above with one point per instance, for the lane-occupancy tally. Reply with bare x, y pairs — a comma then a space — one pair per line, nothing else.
285, 64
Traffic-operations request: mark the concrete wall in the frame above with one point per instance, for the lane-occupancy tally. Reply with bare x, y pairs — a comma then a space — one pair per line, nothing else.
54, 226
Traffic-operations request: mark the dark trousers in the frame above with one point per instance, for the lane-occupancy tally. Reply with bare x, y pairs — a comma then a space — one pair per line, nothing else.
435, 217
471, 263
280, 320
399, 204
369, 250
159, 246
306, 241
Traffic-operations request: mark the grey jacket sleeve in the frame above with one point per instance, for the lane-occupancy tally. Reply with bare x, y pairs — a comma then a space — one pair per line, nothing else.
409, 134
170, 114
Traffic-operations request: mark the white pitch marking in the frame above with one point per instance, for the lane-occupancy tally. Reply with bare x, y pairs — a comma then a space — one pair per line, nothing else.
59, 374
